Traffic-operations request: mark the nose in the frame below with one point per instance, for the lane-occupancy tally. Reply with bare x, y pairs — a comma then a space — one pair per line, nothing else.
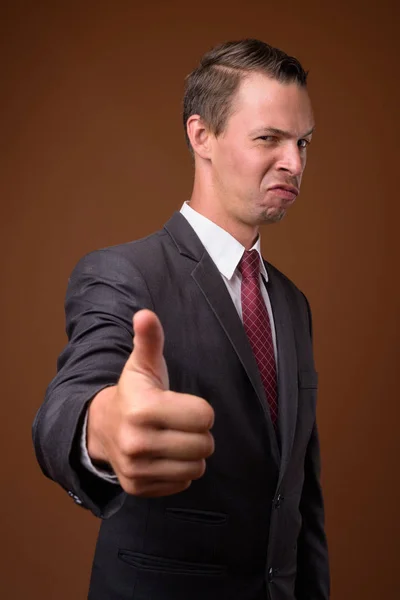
292, 160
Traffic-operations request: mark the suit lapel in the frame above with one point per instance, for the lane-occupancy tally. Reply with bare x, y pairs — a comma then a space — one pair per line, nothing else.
215, 292
287, 366
210, 282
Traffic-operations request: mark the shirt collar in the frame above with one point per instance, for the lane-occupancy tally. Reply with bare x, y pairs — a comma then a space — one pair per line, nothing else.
223, 248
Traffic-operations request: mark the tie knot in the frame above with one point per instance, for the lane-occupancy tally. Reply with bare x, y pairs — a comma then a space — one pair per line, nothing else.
249, 265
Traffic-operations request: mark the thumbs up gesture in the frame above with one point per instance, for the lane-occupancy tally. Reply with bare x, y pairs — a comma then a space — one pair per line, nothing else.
155, 440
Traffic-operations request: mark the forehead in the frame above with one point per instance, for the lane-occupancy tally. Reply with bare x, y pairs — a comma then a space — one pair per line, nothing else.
264, 102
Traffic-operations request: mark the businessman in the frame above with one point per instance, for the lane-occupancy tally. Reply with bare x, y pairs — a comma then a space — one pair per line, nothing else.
183, 412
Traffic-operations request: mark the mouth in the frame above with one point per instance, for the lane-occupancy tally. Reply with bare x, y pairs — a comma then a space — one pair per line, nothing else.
287, 192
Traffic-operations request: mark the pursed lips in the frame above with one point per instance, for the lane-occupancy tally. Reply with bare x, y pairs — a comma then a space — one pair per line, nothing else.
284, 191
287, 188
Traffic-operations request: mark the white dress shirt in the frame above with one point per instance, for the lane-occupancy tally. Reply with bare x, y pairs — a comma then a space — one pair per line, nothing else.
226, 252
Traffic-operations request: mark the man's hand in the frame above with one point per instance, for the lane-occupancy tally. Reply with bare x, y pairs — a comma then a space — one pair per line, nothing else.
155, 440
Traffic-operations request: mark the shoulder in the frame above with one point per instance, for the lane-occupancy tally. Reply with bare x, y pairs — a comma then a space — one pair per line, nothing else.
296, 298
122, 258
289, 286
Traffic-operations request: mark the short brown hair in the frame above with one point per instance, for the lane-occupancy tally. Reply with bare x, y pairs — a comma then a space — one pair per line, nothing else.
209, 89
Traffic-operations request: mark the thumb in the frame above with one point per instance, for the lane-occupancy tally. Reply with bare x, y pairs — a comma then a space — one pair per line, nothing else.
148, 344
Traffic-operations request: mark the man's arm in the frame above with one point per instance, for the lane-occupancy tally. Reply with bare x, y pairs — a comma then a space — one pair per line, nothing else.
312, 582
104, 472
155, 440
313, 578
104, 292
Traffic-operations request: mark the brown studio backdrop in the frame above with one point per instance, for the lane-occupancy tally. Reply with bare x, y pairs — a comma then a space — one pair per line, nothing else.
92, 154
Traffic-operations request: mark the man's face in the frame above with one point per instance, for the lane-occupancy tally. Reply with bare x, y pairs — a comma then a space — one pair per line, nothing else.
263, 146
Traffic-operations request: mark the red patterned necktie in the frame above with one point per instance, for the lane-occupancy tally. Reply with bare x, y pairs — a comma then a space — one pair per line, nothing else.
258, 327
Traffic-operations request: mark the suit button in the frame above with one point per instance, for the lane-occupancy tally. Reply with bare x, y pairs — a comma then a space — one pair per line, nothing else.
278, 501
75, 498
272, 573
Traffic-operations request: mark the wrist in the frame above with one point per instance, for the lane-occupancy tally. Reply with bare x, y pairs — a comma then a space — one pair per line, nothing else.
96, 426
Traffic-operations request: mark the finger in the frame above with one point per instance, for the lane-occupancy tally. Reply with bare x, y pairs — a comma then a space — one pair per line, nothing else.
154, 489
176, 411
164, 470
179, 445
147, 355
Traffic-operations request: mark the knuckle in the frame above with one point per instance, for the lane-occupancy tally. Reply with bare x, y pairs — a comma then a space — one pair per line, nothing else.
138, 414
124, 445
139, 445
132, 470
126, 471
133, 442
138, 471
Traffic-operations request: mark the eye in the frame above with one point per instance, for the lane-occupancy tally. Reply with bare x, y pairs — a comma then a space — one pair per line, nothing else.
268, 138
302, 144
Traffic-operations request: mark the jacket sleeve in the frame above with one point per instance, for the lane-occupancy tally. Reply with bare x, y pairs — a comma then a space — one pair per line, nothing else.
313, 579
104, 291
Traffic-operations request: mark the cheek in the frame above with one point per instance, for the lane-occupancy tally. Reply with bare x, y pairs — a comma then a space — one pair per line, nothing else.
241, 167
235, 160
248, 166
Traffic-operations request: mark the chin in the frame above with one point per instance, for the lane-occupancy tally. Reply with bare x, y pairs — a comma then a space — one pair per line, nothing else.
272, 216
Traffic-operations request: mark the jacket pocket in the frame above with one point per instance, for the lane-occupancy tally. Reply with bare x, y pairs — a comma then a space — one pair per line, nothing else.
204, 517
161, 564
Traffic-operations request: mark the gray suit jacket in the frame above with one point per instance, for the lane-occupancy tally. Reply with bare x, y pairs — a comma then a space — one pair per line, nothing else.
253, 526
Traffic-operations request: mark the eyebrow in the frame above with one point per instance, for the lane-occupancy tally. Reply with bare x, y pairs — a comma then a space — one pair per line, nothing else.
281, 132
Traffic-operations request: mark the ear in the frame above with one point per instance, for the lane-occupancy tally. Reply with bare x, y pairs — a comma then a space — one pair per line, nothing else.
199, 136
